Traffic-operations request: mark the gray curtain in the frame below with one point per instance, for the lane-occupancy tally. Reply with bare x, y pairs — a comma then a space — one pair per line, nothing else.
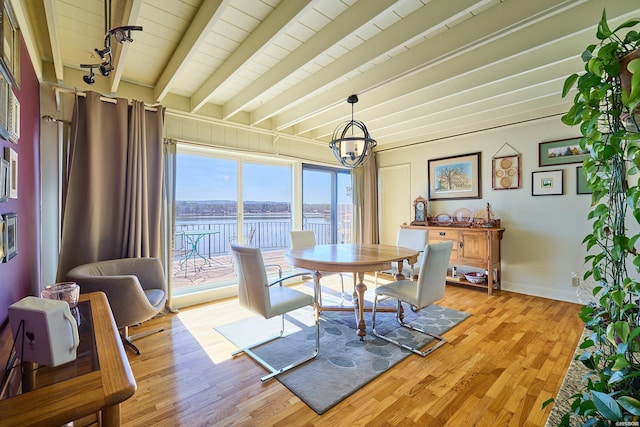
169, 214
365, 202
113, 200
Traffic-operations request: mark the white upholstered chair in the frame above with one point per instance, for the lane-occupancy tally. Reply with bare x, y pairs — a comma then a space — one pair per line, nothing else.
268, 299
135, 288
306, 239
420, 293
412, 239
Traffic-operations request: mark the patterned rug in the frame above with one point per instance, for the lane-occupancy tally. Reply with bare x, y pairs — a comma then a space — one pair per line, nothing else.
344, 363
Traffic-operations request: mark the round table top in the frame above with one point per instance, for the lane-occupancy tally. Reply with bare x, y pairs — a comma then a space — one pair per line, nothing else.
349, 257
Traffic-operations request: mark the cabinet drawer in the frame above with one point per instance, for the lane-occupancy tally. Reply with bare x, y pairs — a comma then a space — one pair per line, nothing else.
443, 235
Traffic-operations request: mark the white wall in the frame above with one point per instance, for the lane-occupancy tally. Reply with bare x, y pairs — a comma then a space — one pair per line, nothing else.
542, 245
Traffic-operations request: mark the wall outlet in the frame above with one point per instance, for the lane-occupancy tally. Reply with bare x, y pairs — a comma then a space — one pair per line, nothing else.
575, 280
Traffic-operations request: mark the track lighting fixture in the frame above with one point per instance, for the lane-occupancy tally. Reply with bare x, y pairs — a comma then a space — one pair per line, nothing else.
103, 53
121, 34
89, 78
106, 68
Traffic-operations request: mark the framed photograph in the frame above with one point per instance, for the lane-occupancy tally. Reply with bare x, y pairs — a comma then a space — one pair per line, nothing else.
4, 180
13, 119
456, 177
10, 46
505, 172
547, 183
561, 152
10, 234
581, 181
12, 157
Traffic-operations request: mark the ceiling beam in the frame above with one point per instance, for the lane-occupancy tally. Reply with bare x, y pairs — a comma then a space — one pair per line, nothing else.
425, 19
52, 25
130, 17
354, 17
197, 32
277, 22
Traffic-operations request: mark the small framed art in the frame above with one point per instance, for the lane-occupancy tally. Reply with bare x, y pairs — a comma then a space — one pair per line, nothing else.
505, 172
561, 152
547, 183
581, 181
10, 237
456, 177
4, 180
11, 156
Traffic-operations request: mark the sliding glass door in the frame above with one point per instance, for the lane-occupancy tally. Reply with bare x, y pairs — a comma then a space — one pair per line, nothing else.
220, 200
327, 206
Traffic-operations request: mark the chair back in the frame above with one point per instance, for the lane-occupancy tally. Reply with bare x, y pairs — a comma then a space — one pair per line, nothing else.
412, 239
253, 291
432, 278
303, 239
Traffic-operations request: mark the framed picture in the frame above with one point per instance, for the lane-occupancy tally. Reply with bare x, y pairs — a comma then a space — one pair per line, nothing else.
13, 119
12, 157
547, 183
4, 180
10, 235
505, 172
10, 46
3, 242
581, 182
561, 152
456, 177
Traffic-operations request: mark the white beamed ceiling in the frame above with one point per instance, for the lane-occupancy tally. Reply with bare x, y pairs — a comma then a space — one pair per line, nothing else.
423, 69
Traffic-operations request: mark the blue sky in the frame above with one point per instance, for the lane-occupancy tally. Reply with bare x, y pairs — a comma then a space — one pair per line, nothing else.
206, 178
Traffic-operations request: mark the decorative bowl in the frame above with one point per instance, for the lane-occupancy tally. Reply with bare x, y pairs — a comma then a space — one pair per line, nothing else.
475, 277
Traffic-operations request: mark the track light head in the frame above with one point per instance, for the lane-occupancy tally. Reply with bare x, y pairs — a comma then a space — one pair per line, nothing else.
123, 34
89, 78
103, 53
106, 68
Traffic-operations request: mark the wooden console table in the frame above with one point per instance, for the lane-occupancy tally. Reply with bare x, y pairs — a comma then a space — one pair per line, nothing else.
95, 383
473, 247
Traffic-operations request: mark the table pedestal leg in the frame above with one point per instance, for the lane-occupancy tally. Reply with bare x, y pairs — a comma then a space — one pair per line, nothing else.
358, 299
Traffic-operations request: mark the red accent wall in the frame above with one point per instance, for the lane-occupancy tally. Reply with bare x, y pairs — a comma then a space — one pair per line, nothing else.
21, 275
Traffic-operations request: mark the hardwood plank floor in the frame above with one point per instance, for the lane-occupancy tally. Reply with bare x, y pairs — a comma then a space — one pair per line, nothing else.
498, 368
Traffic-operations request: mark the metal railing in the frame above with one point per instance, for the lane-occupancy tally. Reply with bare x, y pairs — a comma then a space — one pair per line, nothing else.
267, 235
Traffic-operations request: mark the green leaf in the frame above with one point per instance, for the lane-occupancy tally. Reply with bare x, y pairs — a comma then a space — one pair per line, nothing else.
603, 28
631, 404
606, 405
568, 84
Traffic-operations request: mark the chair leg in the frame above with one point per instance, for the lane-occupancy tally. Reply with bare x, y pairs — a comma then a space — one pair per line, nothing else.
126, 338
274, 371
441, 340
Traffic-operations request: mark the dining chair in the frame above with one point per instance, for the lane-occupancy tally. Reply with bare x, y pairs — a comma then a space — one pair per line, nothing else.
412, 239
269, 299
306, 239
419, 294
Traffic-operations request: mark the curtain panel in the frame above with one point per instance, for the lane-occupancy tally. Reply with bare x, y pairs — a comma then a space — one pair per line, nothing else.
113, 199
365, 202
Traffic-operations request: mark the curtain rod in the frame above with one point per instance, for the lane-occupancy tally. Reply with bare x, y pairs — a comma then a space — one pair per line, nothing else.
104, 98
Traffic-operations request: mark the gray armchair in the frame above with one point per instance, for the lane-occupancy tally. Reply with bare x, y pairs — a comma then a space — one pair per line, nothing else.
135, 288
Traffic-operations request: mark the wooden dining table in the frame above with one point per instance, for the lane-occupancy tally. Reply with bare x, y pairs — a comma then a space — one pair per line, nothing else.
353, 258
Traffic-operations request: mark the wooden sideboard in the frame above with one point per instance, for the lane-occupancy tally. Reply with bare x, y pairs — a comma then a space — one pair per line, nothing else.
472, 247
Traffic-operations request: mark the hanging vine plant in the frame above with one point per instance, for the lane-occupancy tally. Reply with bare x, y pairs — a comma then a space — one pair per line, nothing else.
605, 108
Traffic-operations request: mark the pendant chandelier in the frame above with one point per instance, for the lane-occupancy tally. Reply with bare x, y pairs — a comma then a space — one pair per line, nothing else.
351, 142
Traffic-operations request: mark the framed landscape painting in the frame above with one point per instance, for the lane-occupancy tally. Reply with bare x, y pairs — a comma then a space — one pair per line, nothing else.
561, 152
547, 183
456, 177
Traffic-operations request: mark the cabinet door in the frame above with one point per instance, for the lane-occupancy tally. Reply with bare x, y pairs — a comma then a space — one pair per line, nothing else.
472, 249
443, 235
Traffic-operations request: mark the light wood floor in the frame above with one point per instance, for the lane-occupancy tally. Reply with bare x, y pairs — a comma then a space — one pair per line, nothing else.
500, 365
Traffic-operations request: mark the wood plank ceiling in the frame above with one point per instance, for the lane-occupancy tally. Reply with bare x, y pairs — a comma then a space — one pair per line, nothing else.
423, 69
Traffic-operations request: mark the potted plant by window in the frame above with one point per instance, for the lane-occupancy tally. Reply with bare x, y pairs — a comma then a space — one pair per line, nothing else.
605, 109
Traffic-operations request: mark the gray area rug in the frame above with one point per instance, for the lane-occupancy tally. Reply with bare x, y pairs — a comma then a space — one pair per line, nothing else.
344, 363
